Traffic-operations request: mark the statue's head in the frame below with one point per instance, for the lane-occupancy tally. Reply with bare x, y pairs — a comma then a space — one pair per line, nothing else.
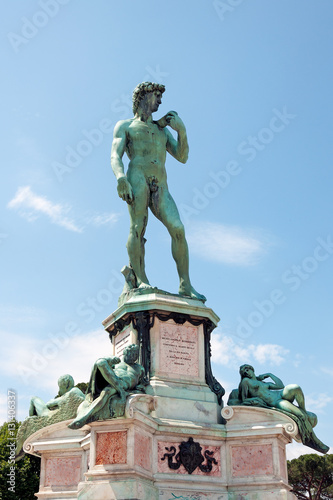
131, 353
140, 93
244, 370
65, 383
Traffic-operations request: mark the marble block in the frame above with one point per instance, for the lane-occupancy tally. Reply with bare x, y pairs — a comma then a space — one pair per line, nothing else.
256, 452
62, 471
111, 448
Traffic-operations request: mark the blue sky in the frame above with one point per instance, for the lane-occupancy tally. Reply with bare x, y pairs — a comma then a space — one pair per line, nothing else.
252, 82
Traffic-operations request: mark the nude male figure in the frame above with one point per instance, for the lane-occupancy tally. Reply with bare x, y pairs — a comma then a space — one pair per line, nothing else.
109, 377
146, 143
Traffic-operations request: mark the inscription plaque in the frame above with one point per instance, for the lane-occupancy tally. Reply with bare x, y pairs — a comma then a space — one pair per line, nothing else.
122, 340
179, 353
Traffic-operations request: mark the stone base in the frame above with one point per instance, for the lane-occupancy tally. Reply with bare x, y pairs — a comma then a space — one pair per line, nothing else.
172, 442
256, 452
174, 337
126, 458
199, 403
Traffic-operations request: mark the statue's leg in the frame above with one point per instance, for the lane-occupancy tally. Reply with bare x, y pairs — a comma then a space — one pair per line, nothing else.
38, 407
164, 208
138, 212
19, 452
87, 411
286, 405
293, 392
307, 420
110, 377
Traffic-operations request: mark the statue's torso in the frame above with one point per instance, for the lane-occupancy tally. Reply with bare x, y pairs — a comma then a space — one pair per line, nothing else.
129, 374
261, 390
146, 149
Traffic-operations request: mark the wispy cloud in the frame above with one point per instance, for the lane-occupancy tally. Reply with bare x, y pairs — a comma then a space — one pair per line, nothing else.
42, 361
226, 244
14, 316
328, 371
32, 206
318, 401
103, 219
295, 450
227, 352
269, 353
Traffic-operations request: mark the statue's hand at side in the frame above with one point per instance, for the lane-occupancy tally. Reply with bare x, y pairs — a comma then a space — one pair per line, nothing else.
125, 190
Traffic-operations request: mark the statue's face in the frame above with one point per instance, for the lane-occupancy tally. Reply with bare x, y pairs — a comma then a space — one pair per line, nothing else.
153, 100
63, 387
248, 372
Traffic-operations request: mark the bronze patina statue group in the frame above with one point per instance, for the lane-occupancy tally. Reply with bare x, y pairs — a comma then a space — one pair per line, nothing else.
144, 186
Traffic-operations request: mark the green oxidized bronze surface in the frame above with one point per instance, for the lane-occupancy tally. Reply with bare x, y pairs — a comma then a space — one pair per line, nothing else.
253, 391
144, 186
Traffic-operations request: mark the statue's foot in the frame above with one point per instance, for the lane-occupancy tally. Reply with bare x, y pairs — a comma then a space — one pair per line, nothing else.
19, 455
189, 291
76, 424
144, 286
319, 445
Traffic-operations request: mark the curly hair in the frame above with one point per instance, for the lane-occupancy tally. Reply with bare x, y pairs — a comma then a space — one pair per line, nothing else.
130, 348
142, 89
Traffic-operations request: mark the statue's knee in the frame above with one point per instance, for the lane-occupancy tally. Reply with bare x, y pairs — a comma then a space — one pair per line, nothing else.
137, 230
293, 387
101, 363
178, 231
312, 418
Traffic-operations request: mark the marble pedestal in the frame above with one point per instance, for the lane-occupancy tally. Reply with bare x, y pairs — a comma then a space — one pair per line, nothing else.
124, 458
174, 338
172, 442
